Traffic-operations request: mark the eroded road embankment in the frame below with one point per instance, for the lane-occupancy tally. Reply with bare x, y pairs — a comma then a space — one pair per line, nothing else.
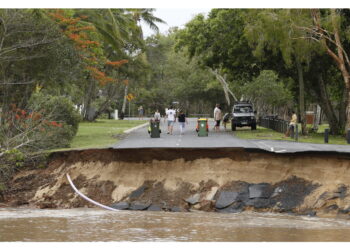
220, 179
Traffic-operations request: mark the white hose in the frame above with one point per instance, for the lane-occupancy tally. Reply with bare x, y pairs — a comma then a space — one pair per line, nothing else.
87, 198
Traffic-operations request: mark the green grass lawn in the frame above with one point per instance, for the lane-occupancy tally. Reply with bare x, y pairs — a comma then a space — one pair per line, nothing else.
269, 134
101, 133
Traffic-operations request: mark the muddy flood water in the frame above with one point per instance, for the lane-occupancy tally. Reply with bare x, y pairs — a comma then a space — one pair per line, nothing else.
98, 225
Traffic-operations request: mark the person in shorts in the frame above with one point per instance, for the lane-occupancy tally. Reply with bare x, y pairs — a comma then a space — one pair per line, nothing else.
292, 124
140, 109
171, 117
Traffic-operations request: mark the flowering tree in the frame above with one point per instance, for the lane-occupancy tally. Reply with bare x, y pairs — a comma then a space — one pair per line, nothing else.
99, 68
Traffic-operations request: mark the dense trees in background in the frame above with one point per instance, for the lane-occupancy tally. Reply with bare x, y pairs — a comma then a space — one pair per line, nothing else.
299, 37
276, 30
307, 50
33, 53
331, 29
173, 79
219, 44
86, 55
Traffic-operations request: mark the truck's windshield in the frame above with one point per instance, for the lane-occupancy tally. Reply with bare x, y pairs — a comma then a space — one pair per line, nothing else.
243, 109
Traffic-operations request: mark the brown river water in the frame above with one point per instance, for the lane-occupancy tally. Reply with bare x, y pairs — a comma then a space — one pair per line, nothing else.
88, 224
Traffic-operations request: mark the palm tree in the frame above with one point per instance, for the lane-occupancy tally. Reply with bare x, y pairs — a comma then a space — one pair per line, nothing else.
121, 31
114, 25
146, 16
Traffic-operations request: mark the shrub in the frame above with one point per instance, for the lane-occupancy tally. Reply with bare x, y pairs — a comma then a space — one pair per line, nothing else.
62, 120
48, 122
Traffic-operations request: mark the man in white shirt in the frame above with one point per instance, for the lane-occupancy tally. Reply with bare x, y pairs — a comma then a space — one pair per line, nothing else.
217, 117
171, 116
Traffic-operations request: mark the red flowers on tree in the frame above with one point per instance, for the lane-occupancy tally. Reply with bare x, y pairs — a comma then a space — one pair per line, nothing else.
117, 63
81, 34
28, 122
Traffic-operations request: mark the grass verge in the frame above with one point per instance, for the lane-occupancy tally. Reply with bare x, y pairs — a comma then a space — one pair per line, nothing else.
263, 133
101, 133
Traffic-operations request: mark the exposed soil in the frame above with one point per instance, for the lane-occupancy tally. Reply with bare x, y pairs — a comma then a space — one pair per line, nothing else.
295, 183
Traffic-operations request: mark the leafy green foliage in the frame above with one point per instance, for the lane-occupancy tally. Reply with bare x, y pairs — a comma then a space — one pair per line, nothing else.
174, 78
266, 89
15, 156
279, 30
219, 43
33, 53
59, 110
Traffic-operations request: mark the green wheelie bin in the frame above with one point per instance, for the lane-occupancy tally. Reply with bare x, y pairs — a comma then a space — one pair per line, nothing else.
202, 127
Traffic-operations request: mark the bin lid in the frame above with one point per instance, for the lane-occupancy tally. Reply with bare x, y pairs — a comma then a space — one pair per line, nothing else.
203, 119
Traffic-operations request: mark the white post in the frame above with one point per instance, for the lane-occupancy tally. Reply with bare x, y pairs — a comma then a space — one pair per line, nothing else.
317, 120
116, 117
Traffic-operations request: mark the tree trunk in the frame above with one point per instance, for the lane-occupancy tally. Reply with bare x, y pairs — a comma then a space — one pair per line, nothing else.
342, 109
124, 101
301, 97
224, 85
317, 120
327, 107
348, 110
88, 99
111, 94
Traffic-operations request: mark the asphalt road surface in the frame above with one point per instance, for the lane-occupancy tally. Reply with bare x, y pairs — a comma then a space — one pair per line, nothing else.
222, 139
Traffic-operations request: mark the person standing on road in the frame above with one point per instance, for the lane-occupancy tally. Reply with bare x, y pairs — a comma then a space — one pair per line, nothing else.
217, 117
140, 109
292, 123
182, 120
166, 110
157, 116
225, 120
171, 116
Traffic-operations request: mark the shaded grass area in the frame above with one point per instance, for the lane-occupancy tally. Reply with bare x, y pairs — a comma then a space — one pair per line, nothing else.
263, 133
101, 133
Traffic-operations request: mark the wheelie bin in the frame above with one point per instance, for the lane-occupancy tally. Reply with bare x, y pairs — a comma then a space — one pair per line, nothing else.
154, 129
202, 127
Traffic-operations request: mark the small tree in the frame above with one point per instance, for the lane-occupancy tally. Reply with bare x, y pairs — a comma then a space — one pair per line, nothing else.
267, 92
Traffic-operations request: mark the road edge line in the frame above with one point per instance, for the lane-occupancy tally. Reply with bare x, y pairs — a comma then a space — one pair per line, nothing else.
128, 131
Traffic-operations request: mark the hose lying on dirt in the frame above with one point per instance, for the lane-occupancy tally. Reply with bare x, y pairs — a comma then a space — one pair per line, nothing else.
87, 198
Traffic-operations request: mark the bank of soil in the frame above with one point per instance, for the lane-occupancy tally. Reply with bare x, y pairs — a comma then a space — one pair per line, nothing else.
214, 180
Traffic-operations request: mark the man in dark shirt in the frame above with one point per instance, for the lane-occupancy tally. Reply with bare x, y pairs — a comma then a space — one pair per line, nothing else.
182, 120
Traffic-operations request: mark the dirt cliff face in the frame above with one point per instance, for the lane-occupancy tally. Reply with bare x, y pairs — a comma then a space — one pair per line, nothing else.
222, 180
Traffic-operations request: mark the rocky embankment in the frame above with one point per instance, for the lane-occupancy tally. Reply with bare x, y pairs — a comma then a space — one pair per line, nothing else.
220, 180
